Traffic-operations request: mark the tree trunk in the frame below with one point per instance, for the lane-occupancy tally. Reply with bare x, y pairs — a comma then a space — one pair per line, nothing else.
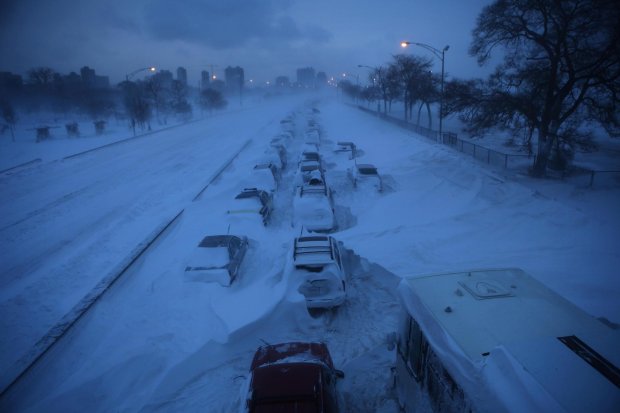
430, 117
545, 142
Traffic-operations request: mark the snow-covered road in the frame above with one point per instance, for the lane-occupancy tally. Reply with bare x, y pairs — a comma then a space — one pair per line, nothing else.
66, 224
158, 342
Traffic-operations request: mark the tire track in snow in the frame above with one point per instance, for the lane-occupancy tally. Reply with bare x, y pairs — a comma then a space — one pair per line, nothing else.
47, 207
27, 362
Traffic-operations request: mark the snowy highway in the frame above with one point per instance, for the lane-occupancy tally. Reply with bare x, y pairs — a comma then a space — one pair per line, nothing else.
160, 342
68, 223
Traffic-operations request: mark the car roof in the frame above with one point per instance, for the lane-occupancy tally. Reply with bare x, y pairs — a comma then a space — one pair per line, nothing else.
212, 241
312, 250
365, 165
288, 383
253, 193
291, 352
313, 189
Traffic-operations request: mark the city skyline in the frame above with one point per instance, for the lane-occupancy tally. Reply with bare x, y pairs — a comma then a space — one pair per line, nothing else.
269, 38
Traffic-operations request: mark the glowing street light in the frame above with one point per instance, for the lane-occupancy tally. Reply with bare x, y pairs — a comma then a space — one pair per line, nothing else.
151, 69
440, 54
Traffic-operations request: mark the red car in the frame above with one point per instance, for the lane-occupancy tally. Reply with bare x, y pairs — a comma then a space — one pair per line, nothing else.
293, 377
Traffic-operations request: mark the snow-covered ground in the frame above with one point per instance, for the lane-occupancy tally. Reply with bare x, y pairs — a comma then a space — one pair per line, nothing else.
158, 341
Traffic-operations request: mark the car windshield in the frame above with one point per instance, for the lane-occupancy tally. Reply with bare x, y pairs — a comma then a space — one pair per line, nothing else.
306, 168
368, 170
247, 194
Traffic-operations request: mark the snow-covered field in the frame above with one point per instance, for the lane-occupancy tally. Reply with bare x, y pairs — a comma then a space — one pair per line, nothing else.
158, 341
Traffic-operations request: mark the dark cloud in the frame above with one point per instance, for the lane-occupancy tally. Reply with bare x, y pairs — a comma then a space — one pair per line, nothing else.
225, 24
317, 34
113, 17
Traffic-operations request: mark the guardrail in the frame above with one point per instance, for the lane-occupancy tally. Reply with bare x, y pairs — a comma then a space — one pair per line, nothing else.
47, 342
492, 156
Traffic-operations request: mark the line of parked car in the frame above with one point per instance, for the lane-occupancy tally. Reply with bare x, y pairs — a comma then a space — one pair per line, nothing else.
466, 341
300, 376
294, 376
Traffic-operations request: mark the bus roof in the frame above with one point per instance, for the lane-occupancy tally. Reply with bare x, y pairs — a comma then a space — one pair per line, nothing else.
573, 356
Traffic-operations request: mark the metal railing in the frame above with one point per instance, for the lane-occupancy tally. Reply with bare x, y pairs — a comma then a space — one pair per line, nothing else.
495, 157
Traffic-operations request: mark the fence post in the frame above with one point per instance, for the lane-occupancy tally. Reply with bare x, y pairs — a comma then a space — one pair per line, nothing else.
475, 150
505, 161
591, 178
488, 156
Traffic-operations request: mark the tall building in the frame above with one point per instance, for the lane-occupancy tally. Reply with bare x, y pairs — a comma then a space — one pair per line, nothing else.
204, 79
182, 75
91, 80
283, 82
234, 78
306, 77
164, 77
321, 79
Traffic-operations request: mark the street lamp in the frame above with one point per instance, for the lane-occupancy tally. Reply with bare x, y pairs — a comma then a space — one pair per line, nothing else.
357, 77
129, 75
440, 54
374, 69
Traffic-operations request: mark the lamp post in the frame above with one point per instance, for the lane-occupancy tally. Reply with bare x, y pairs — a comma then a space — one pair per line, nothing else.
129, 75
440, 54
357, 77
357, 82
374, 70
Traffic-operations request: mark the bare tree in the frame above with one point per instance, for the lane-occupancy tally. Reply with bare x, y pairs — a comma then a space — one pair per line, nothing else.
41, 76
136, 104
212, 99
380, 80
561, 66
394, 90
178, 96
157, 91
413, 74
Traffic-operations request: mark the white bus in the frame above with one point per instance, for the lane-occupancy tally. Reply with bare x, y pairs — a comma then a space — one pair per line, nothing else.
498, 340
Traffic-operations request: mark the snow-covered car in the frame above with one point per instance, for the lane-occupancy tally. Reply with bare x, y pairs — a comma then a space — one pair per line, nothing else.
308, 165
272, 157
217, 259
345, 147
313, 206
319, 267
362, 175
313, 136
253, 201
265, 176
279, 152
293, 377
310, 155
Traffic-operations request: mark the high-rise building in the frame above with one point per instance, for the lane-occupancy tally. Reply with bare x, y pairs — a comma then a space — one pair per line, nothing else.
164, 77
235, 78
91, 80
182, 75
283, 82
321, 79
204, 79
306, 77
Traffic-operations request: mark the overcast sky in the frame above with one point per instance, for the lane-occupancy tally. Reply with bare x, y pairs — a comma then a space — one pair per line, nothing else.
266, 37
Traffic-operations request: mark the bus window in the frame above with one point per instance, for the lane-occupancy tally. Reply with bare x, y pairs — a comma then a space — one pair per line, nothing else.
417, 347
